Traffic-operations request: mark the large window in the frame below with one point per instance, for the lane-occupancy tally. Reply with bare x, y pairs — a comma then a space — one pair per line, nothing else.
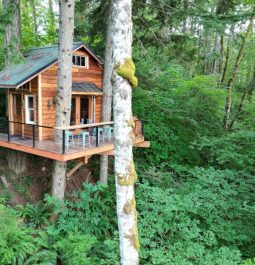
30, 109
82, 61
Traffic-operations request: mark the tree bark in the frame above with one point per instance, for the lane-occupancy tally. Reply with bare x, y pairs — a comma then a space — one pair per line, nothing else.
247, 91
12, 36
125, 175
225, 65
107, 89
63, 106
16, 161
228, 104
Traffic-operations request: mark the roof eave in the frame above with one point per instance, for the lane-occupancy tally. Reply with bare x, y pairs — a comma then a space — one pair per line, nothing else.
7, 86
82, 45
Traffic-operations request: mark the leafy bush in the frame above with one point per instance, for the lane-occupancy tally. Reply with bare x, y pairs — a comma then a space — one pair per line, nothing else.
205, 217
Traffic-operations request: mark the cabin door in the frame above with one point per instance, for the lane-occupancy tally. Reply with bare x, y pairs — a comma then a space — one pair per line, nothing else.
80, 110
17, 114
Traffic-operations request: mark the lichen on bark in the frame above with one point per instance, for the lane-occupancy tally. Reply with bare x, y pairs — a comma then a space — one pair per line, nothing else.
130, 206
130, 178
133, 237
127, 71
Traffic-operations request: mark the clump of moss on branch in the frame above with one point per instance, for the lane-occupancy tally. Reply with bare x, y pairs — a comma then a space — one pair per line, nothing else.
127, 71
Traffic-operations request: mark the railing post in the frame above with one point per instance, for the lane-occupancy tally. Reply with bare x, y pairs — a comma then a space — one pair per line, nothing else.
8, 130
97, 137
63, 142
33, 133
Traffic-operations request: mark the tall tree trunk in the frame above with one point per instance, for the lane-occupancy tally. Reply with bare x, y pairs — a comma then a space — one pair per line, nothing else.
12, 36
34, 15
125, 175
225, 65
63, 106
247, 91
228, 104
107, 89
221, 55
16, 161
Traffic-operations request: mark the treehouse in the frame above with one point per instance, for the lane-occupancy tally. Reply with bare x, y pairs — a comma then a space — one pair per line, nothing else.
31, 90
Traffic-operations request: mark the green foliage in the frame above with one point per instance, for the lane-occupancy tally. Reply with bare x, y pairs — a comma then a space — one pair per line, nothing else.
94, 206
74, 249
204, 217
16, 242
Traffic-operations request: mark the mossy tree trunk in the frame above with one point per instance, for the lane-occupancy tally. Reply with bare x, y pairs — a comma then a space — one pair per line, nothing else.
107, 89
16, 161
64, 90
125, 175
228, 104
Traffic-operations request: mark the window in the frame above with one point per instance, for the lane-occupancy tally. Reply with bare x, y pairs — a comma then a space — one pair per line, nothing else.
30, 110
81, 61
26, 86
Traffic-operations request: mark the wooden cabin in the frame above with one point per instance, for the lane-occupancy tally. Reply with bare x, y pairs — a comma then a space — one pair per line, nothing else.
31, 89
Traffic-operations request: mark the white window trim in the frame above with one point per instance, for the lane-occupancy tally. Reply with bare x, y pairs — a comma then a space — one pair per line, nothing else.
27, 109
86, 61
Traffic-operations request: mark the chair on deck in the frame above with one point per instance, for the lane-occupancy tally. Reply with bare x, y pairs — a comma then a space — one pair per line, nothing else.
83, 135
69, 136
109, 131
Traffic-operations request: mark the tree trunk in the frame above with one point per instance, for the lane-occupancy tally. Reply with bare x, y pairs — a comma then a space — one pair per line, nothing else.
228, 104
34, 15
247, 91
16, 161
12, 36
63, 106
125, 175
225, 66
107, 89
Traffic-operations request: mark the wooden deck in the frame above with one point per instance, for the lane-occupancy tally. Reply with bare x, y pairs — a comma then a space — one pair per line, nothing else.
51, 150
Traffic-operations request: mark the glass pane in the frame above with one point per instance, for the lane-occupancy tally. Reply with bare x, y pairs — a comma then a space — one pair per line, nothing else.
30, 102
84, 110
78, 60
83, 61
73, 60
73, 112
31, 116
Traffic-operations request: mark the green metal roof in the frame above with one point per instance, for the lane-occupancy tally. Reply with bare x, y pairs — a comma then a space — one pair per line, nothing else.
35, 61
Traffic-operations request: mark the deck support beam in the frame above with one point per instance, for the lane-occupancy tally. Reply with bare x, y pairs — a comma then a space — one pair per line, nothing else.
72, 171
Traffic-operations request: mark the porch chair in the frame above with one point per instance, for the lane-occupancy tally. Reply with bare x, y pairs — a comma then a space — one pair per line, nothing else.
109, 131
83, 135
68, 136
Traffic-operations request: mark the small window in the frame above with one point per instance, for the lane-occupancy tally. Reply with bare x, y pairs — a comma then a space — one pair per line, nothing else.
80, 61
30, 110
26, 86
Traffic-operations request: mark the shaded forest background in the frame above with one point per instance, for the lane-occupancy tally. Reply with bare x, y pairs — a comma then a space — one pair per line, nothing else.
195, 194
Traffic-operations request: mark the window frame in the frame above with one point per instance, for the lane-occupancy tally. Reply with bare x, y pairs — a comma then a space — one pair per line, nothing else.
74, 61
27, 109
28, 87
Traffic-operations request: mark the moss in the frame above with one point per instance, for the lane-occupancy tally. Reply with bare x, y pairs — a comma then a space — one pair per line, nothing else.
130, 206
128, 179
127, 71
133, 237
131, 123
136, 242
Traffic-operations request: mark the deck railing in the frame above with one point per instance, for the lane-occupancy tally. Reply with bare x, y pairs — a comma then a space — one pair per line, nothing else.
30, 135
